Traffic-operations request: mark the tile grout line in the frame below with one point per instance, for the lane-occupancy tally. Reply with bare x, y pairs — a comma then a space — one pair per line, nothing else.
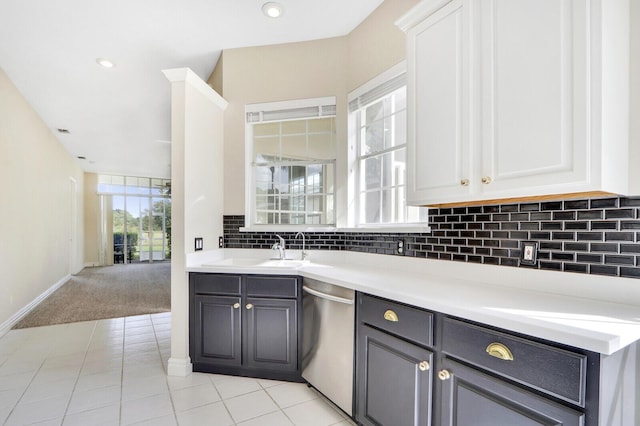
28, 386
84, 358
124, 337
173, 406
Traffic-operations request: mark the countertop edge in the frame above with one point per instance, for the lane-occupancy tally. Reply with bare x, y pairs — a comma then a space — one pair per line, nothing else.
620, 323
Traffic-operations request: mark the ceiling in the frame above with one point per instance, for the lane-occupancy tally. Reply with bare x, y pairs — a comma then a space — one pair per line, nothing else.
119, 118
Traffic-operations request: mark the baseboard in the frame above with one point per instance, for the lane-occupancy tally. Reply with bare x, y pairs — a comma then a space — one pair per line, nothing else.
13, 320
180, 367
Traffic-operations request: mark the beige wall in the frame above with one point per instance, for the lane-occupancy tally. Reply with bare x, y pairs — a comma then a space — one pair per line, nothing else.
329, 67
36, 206
91, 220
276, 73
377, 44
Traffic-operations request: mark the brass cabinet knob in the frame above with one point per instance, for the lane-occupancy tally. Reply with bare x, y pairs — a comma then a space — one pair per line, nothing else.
486, 180
236, 305
464, 182
500, 351
424, 366
444, 375
249, 305
389, 315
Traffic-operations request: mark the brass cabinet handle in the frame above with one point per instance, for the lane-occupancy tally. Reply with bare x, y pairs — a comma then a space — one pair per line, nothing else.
236, 305
424, 366
249, 305
444, 375
389, 315
486, 180
500, 351
464, 182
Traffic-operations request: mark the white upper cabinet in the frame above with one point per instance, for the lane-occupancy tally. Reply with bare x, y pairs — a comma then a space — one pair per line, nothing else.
516, 98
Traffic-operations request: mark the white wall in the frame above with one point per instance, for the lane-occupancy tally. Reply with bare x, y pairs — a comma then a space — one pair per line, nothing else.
634, 112
196, 192
35, 206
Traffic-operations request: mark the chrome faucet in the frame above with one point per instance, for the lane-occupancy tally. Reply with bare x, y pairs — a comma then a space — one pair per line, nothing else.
280, 246
303, 253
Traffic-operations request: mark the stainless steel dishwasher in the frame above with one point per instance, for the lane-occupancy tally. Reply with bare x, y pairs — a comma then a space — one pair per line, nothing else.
327, 340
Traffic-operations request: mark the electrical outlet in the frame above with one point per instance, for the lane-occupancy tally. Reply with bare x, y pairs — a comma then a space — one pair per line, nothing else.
220, 242
400, 247
199, 243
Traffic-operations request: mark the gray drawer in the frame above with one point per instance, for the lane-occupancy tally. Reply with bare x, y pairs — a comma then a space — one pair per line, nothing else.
411, 323
555, 371
272, 286
203, 283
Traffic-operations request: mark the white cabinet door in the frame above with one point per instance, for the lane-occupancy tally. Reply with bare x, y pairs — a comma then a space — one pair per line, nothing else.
517, 98
438, 154
534, 85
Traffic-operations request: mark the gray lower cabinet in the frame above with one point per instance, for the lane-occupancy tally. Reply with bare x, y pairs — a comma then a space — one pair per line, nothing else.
217, 330
245, 325
473, 398
482, 376
272, 334
392, 388
393, 367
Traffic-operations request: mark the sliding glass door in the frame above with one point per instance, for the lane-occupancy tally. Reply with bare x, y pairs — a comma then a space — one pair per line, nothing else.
140, 217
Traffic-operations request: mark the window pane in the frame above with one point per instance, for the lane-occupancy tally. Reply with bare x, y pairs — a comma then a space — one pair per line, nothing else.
371, 207
372, 172
399, 129
294, 127
297, 203
374, 112
314, 178
322, 146
322, 125
374, 138
266, 129
387, 207
266, 147
294, 147
301, 142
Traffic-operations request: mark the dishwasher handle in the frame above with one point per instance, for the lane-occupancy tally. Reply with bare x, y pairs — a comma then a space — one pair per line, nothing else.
322, 295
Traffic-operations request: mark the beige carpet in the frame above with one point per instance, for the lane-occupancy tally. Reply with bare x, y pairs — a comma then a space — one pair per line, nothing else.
106, 292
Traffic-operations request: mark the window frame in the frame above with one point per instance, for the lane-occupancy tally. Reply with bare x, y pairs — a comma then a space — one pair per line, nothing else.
258, 112
354, 142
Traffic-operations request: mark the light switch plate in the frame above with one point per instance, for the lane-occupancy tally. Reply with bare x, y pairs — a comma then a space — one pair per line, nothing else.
199, 244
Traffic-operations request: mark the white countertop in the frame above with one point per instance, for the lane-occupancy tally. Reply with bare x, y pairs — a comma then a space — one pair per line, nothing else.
600, 314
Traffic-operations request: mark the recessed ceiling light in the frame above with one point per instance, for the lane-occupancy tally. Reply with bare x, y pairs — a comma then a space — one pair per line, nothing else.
64, 131
105, 63
272, 9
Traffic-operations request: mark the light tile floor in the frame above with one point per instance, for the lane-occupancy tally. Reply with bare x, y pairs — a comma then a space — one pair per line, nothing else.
112, 372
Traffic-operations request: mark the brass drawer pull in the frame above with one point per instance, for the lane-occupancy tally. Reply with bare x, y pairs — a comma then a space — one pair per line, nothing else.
424, 366
464, 182
389, 315
236, 305
500, 351
249, 306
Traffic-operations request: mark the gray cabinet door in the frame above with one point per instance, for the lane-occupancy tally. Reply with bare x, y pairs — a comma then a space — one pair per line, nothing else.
393, 387
272, 330
472, 398
217, 337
